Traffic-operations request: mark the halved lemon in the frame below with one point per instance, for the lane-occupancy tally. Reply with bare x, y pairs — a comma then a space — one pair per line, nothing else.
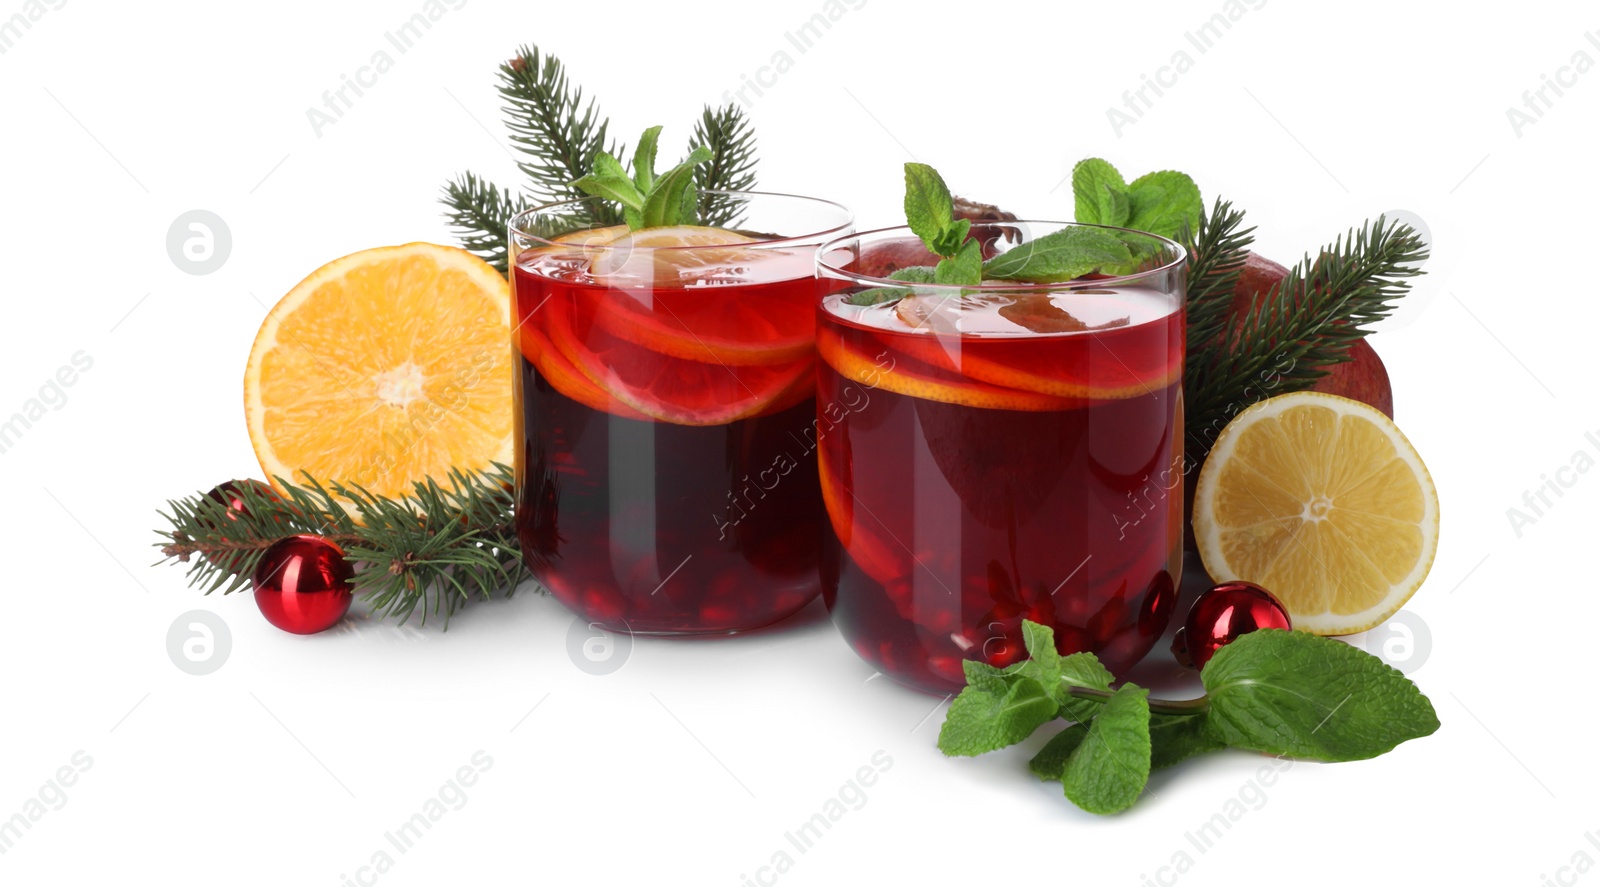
1321, 500
383, 368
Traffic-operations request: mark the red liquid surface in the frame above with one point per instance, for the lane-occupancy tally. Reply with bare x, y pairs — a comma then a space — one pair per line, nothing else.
666, 470
950, 523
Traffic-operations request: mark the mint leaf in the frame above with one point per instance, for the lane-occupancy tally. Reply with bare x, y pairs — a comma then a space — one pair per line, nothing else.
965, 268
929, 207
1109, 768
1292, 693
1090, 179
913, 274
1051, 761
1115, 208
670, 201
881, 294
949, 241
1164, 203
994, 711
1175, 738
1082, 670
1059, 256
878, 295
610, 180
644, 159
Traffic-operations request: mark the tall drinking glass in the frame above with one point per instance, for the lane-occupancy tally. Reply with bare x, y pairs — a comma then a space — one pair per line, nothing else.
1001, 453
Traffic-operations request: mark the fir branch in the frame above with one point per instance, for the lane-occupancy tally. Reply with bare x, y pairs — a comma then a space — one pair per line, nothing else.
443, 545
481, 213
1218, 248
552, 125
1305, 325
727, 132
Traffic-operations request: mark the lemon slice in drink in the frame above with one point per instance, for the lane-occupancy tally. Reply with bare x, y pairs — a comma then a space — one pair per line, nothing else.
1323, 501
656, 255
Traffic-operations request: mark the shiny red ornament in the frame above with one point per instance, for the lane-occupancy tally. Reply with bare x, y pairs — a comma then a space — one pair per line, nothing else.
231, 497
1221, 615
303, 584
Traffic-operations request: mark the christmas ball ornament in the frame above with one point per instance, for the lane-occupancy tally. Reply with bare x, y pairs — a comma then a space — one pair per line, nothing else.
1221, 615
303, 584
230, 496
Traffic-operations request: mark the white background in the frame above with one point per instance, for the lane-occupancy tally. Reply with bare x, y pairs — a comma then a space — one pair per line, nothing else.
689, 764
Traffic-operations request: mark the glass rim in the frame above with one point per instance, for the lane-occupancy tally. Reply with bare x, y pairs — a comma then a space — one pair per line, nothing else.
517, 230
1010, 286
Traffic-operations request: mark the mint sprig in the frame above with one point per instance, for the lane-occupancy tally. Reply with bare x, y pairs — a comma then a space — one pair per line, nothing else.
1053, 258
1165, 202
648, 200
1275, 692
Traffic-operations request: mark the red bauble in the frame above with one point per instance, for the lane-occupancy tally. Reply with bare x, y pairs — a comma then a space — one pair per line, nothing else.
303, 584
230, 496
1221, 615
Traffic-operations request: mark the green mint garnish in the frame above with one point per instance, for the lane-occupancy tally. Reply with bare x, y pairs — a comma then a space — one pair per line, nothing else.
1276, 692
1062, 255
1109, 768
1177, 738
1291, 693
648, 200
1053, 258
997, 709
1165, 203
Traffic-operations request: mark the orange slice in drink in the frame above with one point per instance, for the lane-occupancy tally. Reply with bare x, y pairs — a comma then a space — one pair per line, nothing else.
384, 368
871, 554
1123, 362
568, 379
663, 387
666, 301
903, 374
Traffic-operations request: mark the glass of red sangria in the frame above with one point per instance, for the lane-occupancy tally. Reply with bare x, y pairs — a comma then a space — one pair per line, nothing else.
999, 452
666, 477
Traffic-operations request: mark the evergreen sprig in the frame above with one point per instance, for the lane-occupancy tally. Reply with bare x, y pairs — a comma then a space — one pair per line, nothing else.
730, 137
481, 213
558, 132
1293, 334
1218, 247
443, 545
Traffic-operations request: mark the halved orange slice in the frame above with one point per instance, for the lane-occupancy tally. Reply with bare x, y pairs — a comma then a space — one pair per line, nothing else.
903, 374
383, 368
871, 554
566, 378
666, 388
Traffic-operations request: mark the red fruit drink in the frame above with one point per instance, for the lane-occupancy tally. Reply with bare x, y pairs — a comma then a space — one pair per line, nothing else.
1000, 455
666, 471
